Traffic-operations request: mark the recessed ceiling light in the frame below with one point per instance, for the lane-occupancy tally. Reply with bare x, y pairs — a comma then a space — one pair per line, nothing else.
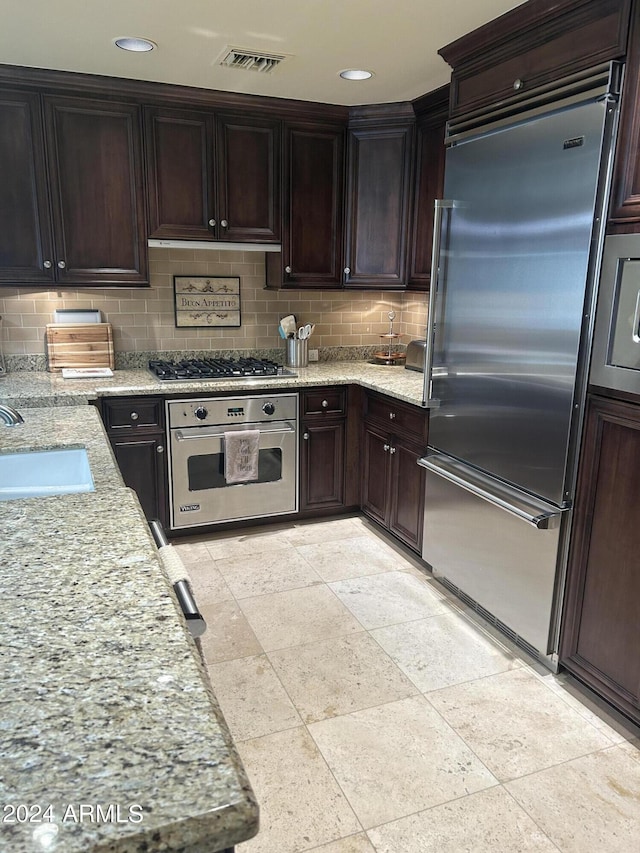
136, 44
356, 74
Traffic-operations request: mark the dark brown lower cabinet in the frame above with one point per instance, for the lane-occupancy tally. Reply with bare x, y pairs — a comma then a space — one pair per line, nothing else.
135, 426
395, 437
601, 635
329, 449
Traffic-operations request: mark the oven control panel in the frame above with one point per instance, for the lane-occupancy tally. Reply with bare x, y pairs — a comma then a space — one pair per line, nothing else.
217, 411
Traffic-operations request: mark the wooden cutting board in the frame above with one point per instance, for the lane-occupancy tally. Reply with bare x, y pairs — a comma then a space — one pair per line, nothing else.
79, 345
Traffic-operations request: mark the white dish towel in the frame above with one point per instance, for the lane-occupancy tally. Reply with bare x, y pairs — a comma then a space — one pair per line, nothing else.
241, 450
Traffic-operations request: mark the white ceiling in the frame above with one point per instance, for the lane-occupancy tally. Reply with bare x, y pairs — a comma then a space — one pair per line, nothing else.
397, 39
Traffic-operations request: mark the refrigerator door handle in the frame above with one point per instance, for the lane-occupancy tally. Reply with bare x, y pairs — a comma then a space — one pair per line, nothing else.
441, 205
533, 511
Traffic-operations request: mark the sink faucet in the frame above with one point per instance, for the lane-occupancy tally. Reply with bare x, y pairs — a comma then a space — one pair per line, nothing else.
9, 415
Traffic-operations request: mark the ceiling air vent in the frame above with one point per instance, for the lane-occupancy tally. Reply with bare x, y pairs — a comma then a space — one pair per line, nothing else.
251, 60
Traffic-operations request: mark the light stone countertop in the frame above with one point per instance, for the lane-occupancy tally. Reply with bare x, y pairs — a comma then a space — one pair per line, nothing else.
26, 389
104, 699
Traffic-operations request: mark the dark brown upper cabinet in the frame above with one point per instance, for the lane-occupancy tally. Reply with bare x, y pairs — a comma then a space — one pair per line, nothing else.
71, 210
379, 174
26, 245
431, 112
95, 173
624, 215
213, 176
313, 175
534, 44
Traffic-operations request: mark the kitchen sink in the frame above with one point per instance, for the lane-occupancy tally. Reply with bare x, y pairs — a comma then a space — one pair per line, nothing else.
40, 473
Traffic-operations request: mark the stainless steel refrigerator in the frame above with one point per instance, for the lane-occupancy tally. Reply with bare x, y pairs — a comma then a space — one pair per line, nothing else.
517, 248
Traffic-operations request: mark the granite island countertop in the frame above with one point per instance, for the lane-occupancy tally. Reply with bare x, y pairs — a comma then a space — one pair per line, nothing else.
26, 388
105, 701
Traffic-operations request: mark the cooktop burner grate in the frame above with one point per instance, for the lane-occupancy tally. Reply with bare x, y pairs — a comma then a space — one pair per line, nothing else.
196, 369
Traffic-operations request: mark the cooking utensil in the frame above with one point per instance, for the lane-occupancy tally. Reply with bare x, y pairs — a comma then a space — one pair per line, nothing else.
304, 332
288, 324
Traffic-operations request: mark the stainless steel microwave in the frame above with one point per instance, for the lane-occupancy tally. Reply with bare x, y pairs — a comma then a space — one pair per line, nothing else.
615, 361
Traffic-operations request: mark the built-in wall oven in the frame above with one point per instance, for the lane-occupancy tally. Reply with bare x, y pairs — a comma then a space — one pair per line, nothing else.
200, 436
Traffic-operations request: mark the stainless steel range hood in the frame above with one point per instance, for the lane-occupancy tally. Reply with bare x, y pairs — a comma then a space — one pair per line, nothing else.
217, 245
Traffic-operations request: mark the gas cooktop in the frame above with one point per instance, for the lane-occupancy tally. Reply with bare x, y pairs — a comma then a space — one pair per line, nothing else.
196, 369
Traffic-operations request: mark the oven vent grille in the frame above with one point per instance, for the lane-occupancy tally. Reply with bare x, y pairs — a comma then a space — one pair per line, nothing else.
490, 618
251, 60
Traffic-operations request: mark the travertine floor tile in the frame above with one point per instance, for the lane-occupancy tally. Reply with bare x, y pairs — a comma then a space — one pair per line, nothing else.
298, 616
271, 571
350, 558
253, 541
338, 676
488, 822
388, 598
397, 759
588, 804
442, 650
311, 533
353, 844
301, 805
252, 698
515, 724
208, 585
228, 633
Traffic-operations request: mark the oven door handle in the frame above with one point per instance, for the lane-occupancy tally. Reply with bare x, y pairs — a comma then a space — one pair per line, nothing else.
180, 436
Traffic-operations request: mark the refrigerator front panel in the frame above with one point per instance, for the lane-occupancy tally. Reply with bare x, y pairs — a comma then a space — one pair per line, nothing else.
513, 272
502, 562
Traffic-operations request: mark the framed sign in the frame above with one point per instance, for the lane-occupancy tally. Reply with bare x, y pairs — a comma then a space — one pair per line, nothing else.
207, 301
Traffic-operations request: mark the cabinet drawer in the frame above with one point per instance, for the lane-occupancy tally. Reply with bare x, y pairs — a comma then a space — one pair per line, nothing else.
531, 46
397, 417
133, 413
324, 401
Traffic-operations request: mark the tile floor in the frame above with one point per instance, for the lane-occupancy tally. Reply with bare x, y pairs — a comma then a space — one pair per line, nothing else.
372, 714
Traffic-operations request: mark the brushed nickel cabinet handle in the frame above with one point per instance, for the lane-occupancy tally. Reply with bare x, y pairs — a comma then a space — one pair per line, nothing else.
134, 416
212, 223
47, 265
159, 449
61, 265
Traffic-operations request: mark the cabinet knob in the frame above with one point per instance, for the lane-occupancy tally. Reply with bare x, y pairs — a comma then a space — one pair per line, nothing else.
159, 449
134, 416
386, 447
347, 270
287, 269
392, 416
47, 265
392, 450
325, 404
61, 265
212, 223
518, 84
305, 436
224, 223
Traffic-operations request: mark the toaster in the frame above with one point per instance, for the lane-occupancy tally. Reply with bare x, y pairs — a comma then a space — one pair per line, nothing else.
415, 356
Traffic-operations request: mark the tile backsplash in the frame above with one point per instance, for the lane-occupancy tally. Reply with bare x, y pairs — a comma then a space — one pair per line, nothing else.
143, 318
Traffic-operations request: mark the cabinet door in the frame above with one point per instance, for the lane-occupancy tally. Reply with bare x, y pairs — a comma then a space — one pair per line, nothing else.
142, 464
625, 192
601, 635
179, 164
375, 475
25, 238
428, 186
313, 198
407, 493
95, 170
248, 179
379, 169
322, 465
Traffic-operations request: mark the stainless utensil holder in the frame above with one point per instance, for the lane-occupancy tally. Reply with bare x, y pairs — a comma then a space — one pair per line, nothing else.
297, 352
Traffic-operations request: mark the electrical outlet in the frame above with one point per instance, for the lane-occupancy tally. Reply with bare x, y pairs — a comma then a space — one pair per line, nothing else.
313, 355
